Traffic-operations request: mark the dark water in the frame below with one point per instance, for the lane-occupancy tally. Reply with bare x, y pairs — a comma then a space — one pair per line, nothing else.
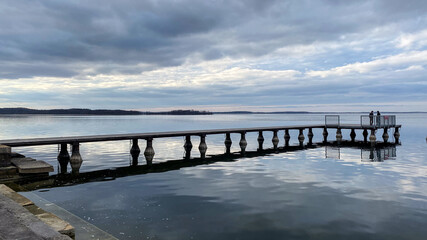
319, 193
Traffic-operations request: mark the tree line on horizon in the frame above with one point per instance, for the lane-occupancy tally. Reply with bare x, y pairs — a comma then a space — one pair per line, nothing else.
85, 111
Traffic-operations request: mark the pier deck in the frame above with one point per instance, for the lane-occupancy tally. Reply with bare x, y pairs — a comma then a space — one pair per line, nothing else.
118, 137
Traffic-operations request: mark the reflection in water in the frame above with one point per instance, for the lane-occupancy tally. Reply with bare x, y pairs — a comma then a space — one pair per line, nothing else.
378, 154
295, 194
289, 195
332, 150
367, 154
75, 177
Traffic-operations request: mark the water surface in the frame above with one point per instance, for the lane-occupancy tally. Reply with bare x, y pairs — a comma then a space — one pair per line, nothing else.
319, 193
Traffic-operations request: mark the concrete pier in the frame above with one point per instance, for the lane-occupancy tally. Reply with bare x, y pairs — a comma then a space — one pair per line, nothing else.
76, 159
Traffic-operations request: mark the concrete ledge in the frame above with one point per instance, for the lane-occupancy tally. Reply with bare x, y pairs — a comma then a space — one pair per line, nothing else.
19, 223
58, 224
21, 200
30, 165
21, 219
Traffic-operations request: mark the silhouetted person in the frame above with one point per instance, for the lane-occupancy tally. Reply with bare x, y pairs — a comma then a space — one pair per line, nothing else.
378, 118
371, 117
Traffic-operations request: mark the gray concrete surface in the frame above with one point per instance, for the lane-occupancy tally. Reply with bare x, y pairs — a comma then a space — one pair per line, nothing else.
5, 155
83, 229
30, 165
18, 223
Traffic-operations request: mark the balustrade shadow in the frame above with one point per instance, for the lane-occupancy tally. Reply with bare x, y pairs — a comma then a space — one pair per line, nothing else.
74, 178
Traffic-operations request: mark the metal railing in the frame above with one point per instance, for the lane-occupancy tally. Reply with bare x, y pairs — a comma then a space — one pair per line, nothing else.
332, 120
378, 121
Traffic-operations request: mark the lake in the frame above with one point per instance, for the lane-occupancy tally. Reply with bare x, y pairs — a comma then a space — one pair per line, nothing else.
317, 193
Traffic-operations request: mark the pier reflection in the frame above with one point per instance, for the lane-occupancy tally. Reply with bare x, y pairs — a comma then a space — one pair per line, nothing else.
378, 153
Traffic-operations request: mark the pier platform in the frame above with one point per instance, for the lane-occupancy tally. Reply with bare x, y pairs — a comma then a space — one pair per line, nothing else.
118, 137
368, 124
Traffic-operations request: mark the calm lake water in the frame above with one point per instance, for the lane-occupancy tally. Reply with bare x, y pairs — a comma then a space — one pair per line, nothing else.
318, 193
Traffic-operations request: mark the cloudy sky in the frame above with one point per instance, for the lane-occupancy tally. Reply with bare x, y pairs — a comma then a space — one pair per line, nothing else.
263, 55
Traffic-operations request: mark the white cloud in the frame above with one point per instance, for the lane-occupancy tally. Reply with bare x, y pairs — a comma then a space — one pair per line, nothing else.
386, 63
413, 40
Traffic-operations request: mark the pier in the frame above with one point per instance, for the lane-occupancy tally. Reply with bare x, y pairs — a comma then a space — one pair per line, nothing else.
368, 126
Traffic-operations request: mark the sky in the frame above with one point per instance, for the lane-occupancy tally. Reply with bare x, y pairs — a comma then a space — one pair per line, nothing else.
256, 55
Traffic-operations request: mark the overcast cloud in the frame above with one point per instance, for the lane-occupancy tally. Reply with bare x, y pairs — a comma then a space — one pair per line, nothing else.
214, 55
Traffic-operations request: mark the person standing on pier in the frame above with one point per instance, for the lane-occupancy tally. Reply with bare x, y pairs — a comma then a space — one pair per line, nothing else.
371, 117
378, 118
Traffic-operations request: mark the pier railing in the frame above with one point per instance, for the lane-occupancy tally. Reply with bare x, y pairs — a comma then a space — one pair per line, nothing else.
332, 120
381, 121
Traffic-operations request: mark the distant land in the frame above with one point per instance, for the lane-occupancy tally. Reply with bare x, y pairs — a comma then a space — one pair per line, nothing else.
84, 111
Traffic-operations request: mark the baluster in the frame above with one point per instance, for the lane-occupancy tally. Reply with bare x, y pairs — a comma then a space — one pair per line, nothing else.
372, 138
63, 158
365, 135
385, 135
243, 143
227, 143
149, 151
135, 151
260, 140
188, 146
310, 136
275, 140
287, 137
353, 135
325, 135
396, 135
339, 135
301, 137
75, 159
203, 147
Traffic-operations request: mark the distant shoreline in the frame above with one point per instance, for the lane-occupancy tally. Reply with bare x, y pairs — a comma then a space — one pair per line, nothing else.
84, 111
100, 112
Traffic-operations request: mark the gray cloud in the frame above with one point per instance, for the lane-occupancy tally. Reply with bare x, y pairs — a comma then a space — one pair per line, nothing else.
164, 33
88, 45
